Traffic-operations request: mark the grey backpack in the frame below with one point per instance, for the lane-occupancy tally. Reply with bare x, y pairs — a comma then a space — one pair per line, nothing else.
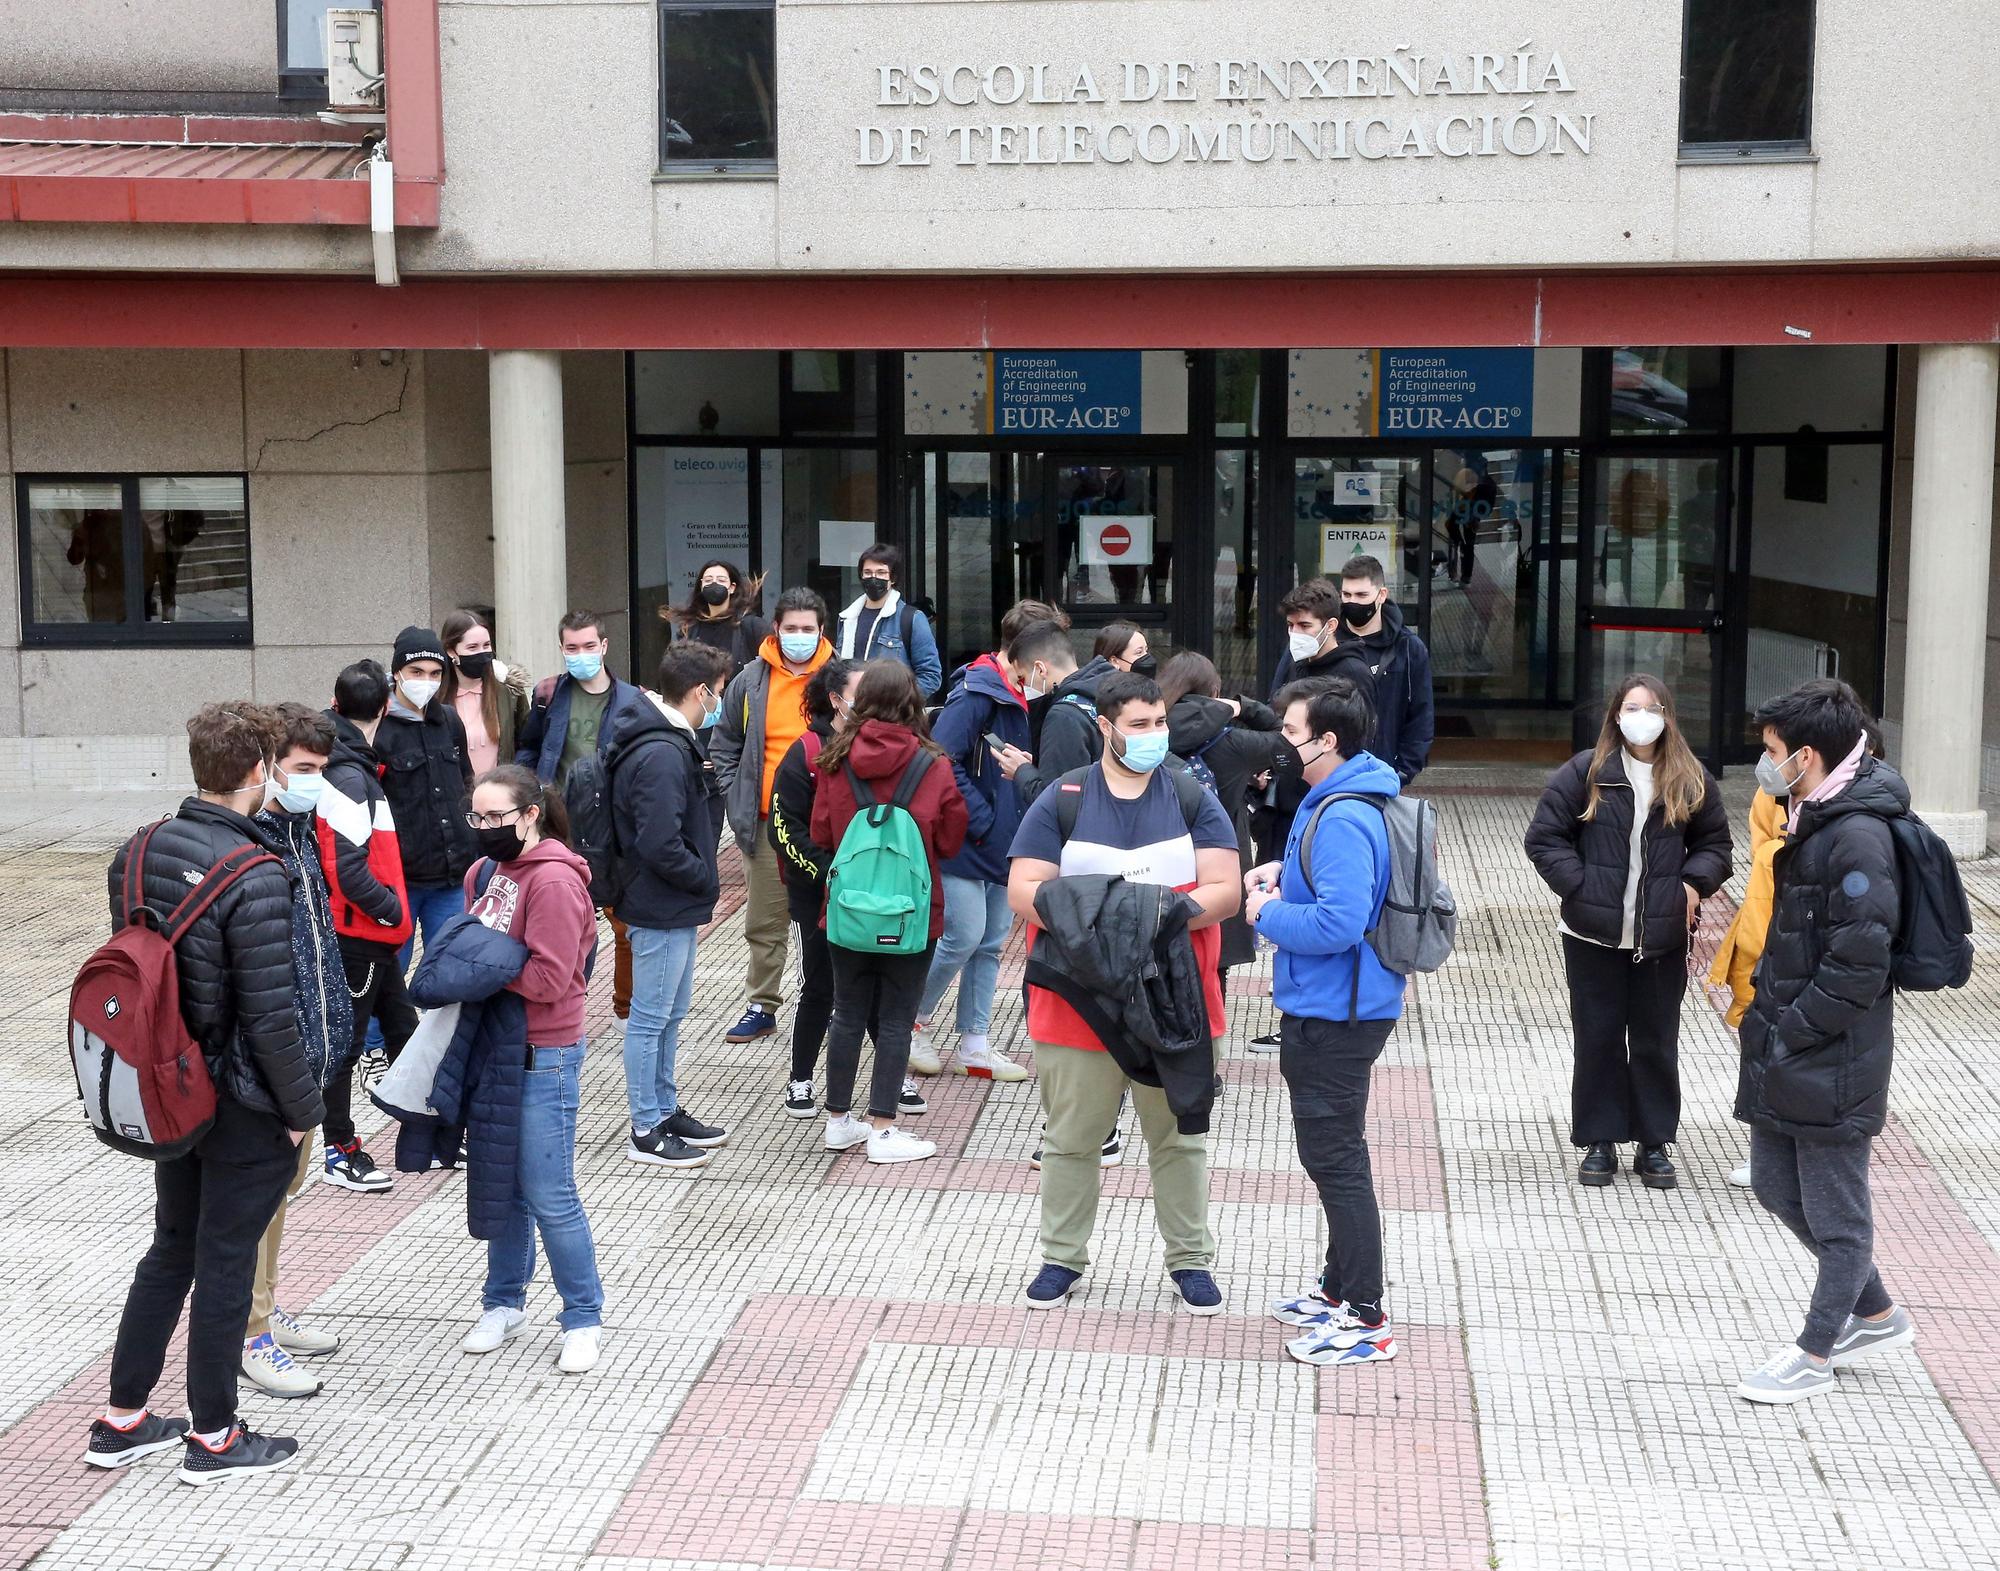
1419, 917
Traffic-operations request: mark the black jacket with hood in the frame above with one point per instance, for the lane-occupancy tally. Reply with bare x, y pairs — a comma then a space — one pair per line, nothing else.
800, 859
1235, 747
235, 963
1120, 954
1068, 737
427, 776
664, 808
1287, 791
1589, 864
1819, 1038
1400, 669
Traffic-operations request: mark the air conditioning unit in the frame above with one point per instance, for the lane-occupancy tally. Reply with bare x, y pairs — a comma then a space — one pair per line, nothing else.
354, 59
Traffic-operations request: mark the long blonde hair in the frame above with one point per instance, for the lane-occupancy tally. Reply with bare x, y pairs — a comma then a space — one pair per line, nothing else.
1679, 780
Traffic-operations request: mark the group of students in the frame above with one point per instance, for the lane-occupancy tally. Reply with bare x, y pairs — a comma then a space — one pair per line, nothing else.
1108, 805
1632, 836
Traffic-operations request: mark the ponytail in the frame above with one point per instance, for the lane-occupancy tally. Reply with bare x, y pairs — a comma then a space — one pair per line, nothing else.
527, 791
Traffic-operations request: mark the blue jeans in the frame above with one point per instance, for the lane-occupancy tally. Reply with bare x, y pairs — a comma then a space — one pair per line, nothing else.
976, 925
431, 906
662, 984
545, 1197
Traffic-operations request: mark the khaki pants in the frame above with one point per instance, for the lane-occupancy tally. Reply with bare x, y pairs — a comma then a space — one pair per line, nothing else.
1080, 1091
767, 925
264, 1295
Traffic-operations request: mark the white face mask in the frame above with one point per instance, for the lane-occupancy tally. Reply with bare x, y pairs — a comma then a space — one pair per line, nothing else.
1642, 727
1303, 646
420, 691
1031, 692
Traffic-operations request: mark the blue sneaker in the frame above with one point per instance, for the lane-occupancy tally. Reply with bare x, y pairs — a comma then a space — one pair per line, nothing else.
757, 1021
1052, 1286
1199, 1294
1350, 1344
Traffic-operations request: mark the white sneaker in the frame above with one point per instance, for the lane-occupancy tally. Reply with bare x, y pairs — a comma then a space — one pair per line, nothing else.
923, 1057
1789, 1376
892, 1145
301, 1341
494, 1327
579, 1349
270, 1369
1740, 1176
986, 1064
844, 1131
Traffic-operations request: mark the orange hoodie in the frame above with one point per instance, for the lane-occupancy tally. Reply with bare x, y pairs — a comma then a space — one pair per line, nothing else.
784, 709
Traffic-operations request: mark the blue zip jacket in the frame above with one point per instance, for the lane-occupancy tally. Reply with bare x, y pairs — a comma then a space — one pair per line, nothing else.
1321, 933
540, 744
983, 702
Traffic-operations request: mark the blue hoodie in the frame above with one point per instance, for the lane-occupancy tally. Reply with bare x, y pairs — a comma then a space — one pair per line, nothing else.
983, 701
1321, 940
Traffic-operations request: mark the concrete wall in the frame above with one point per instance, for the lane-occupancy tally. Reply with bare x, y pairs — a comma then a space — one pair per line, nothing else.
552, 115
164, 49
368, 499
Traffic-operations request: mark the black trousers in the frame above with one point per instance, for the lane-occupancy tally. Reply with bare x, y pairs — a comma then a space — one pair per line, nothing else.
1625, 1016
877, 993
1326, 1065
210, 1212
378, 991
1820, 1191
815, 1008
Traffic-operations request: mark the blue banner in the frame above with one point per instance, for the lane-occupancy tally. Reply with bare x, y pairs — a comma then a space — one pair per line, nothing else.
1063, 390
1452, 392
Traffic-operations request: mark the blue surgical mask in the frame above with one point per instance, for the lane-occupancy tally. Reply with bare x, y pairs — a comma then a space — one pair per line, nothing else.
295, 793
584, 667
712, 717
798, 647
1144, 752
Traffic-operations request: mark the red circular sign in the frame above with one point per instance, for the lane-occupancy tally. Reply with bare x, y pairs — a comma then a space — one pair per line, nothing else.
1116, 540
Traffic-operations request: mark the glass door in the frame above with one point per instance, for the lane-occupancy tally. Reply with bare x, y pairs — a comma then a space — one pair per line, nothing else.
1361, 504
1659, 541
1110, 544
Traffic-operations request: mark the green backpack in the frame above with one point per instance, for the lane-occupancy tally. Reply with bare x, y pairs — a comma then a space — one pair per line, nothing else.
878, 888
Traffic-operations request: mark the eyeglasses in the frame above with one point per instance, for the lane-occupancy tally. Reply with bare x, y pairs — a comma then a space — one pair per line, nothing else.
492, 820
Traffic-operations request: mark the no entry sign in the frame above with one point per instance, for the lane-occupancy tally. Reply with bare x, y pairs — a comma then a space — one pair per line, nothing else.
1121, 541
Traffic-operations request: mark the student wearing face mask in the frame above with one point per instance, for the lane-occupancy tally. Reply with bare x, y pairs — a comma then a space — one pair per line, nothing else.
882, 625
426, 775
1405, 718
721, 612
491, 697
292, 795
1043, 662
664, 809
1125, 647
1632, 837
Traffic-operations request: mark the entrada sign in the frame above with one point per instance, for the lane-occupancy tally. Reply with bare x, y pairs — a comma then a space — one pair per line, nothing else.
1290, 109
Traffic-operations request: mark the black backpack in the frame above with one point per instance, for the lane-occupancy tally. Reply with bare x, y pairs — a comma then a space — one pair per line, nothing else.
1069, 795
1932, 949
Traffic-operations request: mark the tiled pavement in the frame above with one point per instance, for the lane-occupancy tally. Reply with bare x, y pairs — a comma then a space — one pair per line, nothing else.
811, 1363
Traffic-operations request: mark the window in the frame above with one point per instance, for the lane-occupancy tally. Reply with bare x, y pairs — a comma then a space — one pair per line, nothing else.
1746, 78
134, 559
718, 110
302, 44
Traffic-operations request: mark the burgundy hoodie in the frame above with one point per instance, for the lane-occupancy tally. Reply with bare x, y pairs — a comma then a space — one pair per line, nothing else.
542, 898
879, 754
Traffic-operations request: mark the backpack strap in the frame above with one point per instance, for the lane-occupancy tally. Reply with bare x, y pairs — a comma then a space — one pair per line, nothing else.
1379, 802
864, 798
1069, 798
812, 742
487, 868
134, 889
214, 885
906, 622
913, 779
1187, 791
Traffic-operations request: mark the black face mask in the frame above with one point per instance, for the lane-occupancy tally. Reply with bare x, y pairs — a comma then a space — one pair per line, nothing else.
714, 594
1358, 616
875, 588
478, 666
502, 842
1146, 665
1290, 761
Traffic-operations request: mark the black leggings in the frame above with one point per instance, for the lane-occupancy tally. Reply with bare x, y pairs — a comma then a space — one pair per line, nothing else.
884, 990
815, 1009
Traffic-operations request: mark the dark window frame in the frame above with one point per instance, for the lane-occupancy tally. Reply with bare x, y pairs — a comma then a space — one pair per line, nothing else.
1779, 149
710, 168
127, 634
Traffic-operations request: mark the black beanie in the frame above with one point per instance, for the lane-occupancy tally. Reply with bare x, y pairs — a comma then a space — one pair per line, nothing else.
416, 643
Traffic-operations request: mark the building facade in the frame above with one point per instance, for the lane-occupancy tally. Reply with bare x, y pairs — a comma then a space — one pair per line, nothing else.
1658, 339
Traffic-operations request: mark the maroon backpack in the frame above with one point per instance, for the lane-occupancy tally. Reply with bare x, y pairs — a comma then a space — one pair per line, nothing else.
144, 1083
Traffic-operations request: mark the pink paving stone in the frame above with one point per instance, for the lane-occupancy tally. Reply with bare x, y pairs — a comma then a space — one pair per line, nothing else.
1387, 1552
844, 1537
1015, 1541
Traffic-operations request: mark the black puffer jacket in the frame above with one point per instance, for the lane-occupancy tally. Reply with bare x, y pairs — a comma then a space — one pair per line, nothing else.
666, 806
1819, 1035
1235, 747
235, 964
1587, 864
427, 777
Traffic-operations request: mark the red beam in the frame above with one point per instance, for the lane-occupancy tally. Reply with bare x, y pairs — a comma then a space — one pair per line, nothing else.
1872, 306
412, 62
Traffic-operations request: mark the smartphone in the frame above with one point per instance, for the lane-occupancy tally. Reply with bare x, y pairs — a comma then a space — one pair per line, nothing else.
995, 743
